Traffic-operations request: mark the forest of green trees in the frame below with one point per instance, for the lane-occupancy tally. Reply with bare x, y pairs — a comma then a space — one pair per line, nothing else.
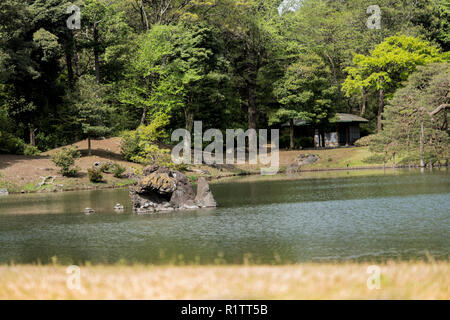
158, 65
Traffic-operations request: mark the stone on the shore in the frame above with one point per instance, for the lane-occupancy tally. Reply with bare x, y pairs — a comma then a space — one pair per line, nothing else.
4, 192
304, 159
149, 170
89, 211
162, 189
118, 207
204, 198
301, 160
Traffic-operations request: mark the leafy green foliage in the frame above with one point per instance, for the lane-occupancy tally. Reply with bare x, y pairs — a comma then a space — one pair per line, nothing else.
95, 175
390, 63
118, 170
65, 160
364, 141
11, 144
138, 145
305, 92
106, 167
31, 150
129, 145
92, 108
388, 66
228, 63
416, 117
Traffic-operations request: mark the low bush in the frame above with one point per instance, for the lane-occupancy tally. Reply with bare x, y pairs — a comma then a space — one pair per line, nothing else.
11, 144
65, 160
118, 170
141, 145
134, 147
107, 167
374, 159
30, 150
364, 141
95, 175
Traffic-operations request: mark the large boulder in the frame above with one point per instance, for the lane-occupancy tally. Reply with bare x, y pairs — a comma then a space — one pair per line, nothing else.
204, 198
305, 159
301, 160
162, 189
160, 183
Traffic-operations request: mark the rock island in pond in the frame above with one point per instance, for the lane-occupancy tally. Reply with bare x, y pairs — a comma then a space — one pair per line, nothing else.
162, 189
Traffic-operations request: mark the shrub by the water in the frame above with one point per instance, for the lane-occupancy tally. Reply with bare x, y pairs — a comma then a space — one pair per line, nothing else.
140, 146
31, 150
95, 175
374, 159
118, 170
107, 167
65, 160
364, 141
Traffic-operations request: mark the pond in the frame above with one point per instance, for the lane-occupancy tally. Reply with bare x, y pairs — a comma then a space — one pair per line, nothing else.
341, 216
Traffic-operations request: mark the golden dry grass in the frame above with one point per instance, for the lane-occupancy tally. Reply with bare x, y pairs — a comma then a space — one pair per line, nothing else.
399, 280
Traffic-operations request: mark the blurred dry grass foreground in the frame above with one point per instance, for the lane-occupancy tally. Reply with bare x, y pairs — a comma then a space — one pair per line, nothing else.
399, 280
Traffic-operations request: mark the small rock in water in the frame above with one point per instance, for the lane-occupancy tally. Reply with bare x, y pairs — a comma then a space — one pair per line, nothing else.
88, 211
118, 207
4, 192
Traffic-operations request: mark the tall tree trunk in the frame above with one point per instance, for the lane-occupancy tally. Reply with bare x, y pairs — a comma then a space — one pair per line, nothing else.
252, 105
409, 151
363, 103
393, 160
291, 124
380, 110
445, 124
96, 53
89, 146
144, 116
189, 118
144, 18
69, 56
255, 61
32, 135
422, 138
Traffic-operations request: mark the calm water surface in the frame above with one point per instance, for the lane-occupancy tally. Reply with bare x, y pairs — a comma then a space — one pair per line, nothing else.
376, 217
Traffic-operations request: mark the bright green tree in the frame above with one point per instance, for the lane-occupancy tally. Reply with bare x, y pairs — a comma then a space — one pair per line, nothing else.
388, 65
305, 93
149, 78
415, 121
93, 111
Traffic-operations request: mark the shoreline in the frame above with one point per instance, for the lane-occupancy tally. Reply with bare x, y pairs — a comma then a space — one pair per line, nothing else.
24, 174
215, 179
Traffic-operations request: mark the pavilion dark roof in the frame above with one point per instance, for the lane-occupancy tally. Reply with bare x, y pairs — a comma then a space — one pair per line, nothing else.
340, 118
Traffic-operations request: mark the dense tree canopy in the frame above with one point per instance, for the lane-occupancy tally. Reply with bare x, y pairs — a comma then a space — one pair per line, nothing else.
229, 63
388, 65
416, 121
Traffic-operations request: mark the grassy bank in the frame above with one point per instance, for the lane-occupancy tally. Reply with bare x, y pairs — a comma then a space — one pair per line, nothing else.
399, 280
22, 174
